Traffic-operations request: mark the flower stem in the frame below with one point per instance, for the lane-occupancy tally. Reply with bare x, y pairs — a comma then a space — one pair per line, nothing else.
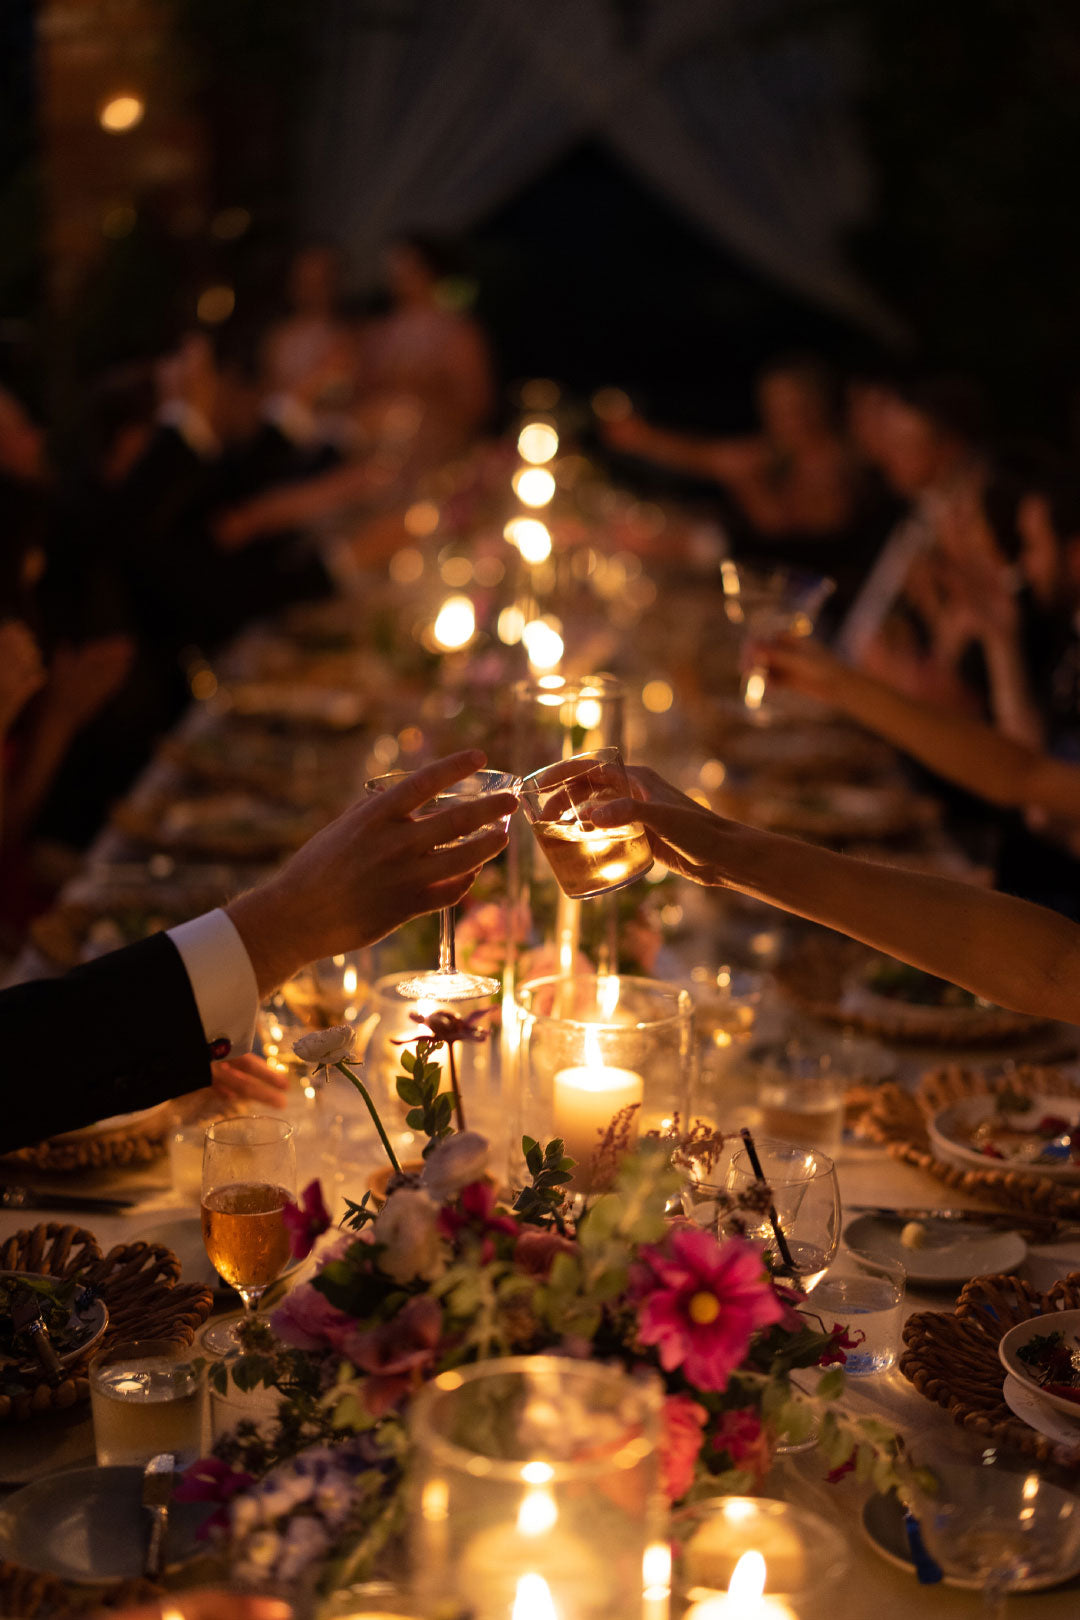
363, 1090
459, 1112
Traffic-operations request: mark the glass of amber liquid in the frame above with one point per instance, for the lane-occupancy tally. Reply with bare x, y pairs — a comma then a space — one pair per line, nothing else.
559, 801
249, 1175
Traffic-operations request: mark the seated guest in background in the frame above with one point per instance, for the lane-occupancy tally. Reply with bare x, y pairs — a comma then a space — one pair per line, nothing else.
926, 442
1006, 950
151, 1017
796, 483
308, 338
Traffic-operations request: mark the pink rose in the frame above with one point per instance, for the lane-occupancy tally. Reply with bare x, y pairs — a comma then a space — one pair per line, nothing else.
747, 1442
680, 1443
396, 1354
306, 1320
536, 1248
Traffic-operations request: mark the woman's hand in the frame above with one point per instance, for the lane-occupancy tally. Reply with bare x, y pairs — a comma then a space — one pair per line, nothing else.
371, 870
683, 834
802, 665
248, 1078
21, 671
83, 679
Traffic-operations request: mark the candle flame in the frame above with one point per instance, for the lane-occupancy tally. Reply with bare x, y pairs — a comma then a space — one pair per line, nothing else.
594, 1057
537, 1514
607, 994
348, 981
532, 1600
748, 1577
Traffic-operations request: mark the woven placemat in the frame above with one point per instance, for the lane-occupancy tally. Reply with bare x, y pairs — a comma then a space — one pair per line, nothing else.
136, 1143
898, 1120
819, 971
138, 1283
25, 1593
952, 1359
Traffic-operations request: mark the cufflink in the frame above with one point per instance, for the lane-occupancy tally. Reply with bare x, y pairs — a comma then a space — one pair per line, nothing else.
219, 1049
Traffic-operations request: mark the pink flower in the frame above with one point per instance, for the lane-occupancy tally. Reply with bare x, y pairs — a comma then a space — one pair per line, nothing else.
843, 1339
306, 1319
211, 1480
680, 1443
700, 1302
307, 1221
475, 1213
397, 1353
536, 1248
746, 1440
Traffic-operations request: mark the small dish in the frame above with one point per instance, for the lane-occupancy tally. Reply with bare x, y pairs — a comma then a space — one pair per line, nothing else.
949, 1127
86, 1323
954, 1251
1065, 1322
89, 1525
1040, 1416
882, 1525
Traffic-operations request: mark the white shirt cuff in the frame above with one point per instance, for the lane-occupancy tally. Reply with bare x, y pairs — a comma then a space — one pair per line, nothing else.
222, 978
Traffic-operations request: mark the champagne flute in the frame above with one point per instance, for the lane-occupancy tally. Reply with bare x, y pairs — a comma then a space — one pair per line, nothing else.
249, 1175
800, 1228
447, 983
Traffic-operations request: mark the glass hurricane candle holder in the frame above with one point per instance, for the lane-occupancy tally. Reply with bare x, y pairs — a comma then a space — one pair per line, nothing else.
748, 1555
592, 1046
534, 1491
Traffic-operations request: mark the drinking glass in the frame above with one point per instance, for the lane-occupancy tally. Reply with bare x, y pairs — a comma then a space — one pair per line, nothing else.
249, 1175
801, 1226
145, 1398
558, 801
997, 1530
866, 1294
446, 983
801, 1098
770, 602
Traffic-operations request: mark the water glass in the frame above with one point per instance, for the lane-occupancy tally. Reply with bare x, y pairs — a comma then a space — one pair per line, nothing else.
558, 802
866, 1294
801, 1099
800, 1228
145, 1398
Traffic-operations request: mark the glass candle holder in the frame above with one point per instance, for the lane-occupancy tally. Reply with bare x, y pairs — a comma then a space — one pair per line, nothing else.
592, 1046
534, 1487
748, 1555
333, 991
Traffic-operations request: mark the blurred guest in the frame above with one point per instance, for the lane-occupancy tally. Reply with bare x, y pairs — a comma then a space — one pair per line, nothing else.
306, 339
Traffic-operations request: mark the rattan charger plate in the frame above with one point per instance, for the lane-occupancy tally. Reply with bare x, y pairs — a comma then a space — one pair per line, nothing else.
135, 1142
952, 1359
898, 1120
139, 1283
817, 977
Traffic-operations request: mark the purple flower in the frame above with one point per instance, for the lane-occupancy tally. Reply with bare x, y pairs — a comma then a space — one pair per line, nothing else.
306, 1319
396, 1354
700, 1301
306, 1221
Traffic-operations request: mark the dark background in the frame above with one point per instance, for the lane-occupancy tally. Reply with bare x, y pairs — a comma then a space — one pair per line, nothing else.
970, 116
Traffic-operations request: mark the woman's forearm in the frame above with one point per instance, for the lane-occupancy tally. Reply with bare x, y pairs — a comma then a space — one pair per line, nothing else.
1004, 949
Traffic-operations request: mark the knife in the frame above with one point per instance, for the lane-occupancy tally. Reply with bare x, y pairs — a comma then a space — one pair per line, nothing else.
1048, 1226
31, 1198
157, 1489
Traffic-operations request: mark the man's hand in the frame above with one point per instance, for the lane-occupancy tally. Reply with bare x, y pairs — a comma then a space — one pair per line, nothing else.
246, 1078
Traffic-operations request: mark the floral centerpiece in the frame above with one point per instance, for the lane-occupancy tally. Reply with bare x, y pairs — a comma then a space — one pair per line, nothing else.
445, 1272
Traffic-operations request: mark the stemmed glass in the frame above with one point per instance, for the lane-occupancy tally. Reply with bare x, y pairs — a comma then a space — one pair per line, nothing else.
447, 983
997, 1530
770, 602
800, 1227
249, 1175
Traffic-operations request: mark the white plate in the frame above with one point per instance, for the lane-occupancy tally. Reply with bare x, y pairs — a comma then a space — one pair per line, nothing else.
955, 1251
1037, 1414
947, 1123
115, 1122
89, 1524
1066, 1322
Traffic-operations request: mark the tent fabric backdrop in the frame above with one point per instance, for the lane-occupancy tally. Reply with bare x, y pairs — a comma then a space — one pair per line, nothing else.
428, 114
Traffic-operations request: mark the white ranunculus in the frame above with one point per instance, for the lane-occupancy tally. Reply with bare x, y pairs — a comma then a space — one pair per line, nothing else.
322, 1047
455, 1163
406, 1225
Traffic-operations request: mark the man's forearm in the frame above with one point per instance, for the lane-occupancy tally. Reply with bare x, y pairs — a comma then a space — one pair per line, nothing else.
1006, 950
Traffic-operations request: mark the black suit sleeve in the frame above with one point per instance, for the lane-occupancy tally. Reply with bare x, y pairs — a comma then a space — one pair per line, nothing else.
113, 1036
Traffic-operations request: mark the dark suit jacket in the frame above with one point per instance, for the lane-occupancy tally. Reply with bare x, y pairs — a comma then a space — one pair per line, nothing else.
110, 1037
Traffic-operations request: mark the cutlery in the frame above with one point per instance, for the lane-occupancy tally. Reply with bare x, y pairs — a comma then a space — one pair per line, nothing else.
1047, 1227
30, 1198
157, 1490
27, 1318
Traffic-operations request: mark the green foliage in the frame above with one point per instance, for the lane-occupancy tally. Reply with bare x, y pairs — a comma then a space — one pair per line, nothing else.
430, 1110
357, 1216
540, 1202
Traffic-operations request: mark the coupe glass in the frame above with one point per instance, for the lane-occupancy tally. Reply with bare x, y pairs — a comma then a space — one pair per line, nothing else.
801, 1226
446, 983
999, 1531
249, 1175
769, 602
